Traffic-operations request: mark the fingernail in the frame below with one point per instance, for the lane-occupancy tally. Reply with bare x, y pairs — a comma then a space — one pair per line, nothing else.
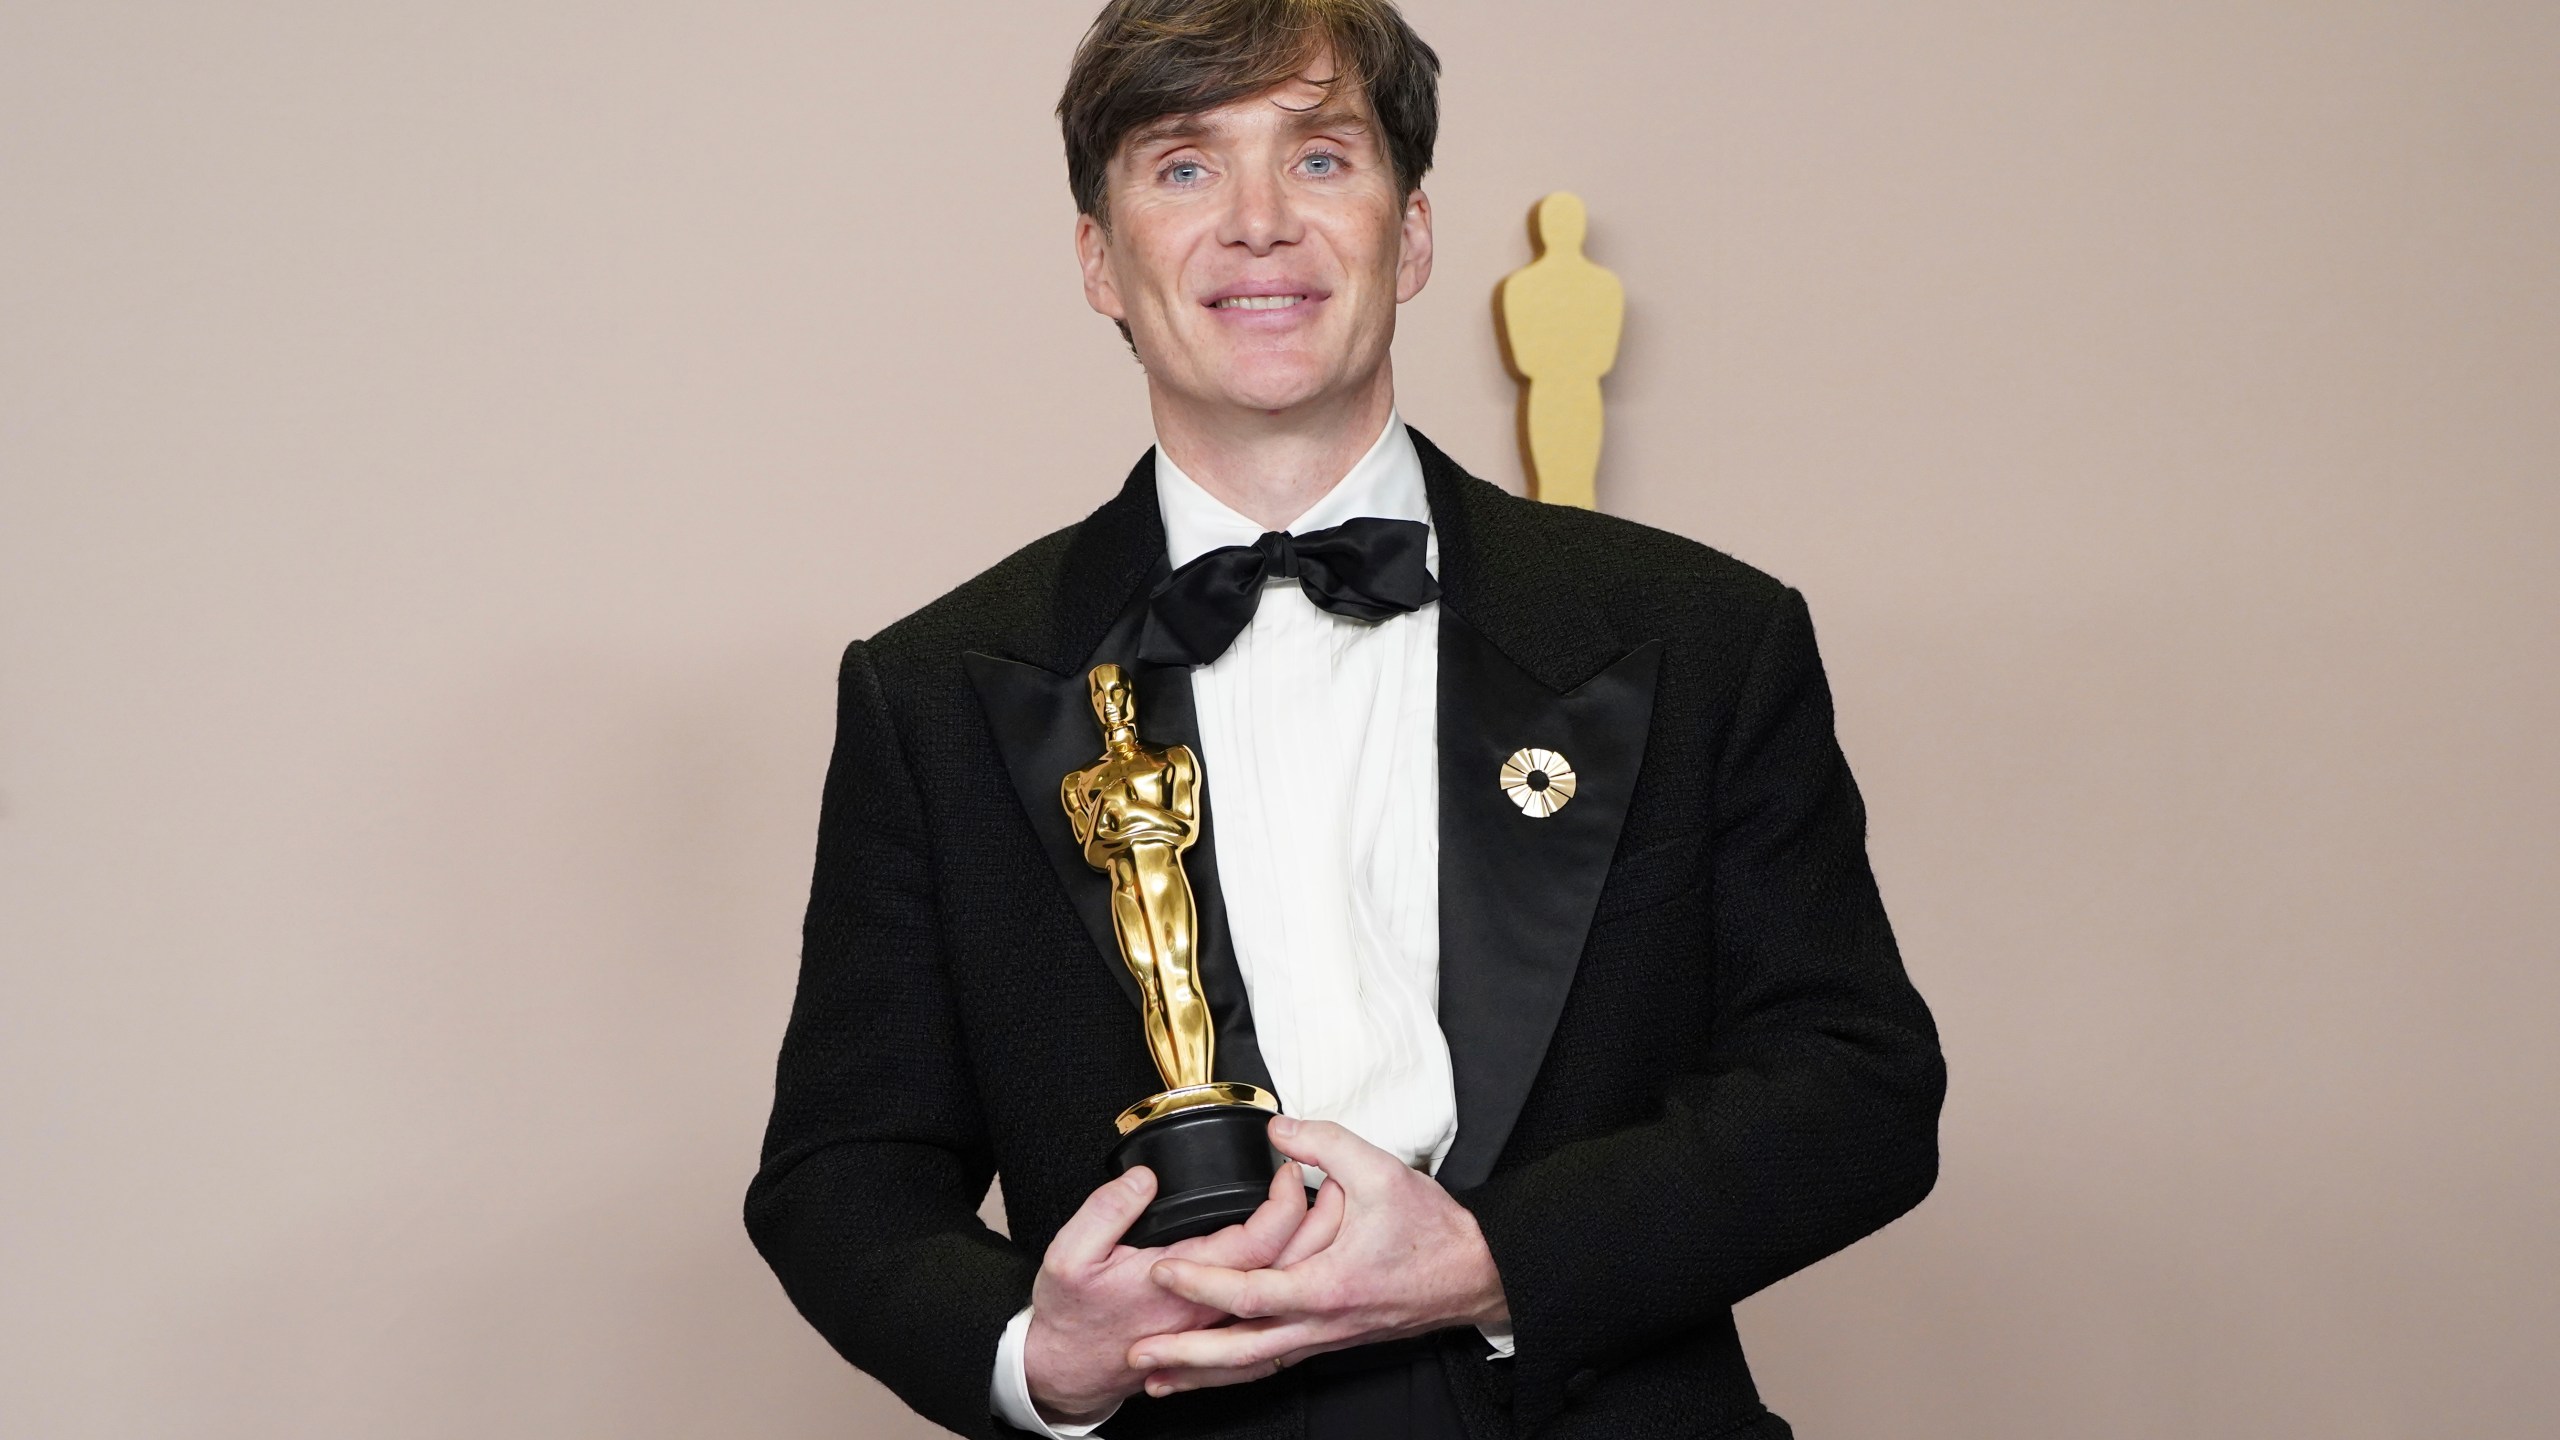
1282, 1125
1143, 1362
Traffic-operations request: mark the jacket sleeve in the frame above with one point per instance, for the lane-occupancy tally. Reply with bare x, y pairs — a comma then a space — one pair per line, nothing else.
1812, 1119
876, 1157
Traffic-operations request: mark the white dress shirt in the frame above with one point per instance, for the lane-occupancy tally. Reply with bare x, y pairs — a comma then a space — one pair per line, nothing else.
1320, 755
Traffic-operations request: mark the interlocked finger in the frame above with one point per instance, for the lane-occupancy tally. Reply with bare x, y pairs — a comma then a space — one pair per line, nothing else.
1263, 1235
1244, 1346
1322, 1223
1249, 1294
1174, 1382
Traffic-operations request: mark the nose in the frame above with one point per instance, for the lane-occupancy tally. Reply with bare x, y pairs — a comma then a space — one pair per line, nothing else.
1260, 214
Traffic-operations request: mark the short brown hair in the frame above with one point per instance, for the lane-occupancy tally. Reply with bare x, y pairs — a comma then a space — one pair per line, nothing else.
1146, 59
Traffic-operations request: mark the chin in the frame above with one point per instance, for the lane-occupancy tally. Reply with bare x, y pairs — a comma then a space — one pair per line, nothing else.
1276, 382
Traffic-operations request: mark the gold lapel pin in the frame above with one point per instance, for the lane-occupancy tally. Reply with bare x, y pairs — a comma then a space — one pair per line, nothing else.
1538, 781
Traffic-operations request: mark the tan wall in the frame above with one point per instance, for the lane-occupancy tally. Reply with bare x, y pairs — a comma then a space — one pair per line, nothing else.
442, 448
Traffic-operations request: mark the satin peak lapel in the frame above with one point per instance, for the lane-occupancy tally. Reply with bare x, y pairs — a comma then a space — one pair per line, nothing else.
1522, 667
1517, 889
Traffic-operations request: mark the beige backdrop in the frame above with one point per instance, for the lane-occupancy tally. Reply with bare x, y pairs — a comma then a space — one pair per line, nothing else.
443, 448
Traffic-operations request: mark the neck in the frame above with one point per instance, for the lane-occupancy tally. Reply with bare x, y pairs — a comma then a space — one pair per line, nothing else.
1270, 466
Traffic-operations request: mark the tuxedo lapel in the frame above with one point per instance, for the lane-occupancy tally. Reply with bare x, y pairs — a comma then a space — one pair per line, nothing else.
1038, 708
1044, 725
1520, 668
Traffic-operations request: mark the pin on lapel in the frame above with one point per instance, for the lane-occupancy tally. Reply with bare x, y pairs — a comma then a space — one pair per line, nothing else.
1538, 781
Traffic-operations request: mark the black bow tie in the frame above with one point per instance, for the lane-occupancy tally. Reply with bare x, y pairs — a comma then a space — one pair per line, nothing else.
1368, 569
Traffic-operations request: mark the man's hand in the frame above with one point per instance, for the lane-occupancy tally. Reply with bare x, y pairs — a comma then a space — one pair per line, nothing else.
1094, 1296
1385, 1253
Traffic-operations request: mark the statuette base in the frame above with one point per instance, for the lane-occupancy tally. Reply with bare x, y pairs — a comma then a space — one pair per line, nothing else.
1211, 1153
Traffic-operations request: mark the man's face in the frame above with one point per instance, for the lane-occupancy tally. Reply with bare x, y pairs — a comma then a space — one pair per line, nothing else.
1258, 251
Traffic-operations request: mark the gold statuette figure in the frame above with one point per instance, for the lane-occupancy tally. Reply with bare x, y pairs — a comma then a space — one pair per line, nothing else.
1135, 811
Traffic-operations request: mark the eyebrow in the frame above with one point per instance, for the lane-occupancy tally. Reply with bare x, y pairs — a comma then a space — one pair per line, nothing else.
1171, 127
1341, 119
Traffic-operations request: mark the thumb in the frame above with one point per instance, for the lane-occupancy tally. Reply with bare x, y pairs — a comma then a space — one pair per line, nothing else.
1088, 1236
1331, 1148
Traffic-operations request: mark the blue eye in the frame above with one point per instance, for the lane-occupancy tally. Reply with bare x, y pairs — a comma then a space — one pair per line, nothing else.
1321, 164
1182, 174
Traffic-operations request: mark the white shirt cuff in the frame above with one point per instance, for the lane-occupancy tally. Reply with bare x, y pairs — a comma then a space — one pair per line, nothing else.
1009, 1393
1499, 1337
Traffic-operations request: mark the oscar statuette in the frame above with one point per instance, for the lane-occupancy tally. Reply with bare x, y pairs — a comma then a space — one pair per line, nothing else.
1135, 811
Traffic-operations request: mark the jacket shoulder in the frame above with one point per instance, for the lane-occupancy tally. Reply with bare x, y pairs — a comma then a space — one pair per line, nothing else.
1621, 568
994, 610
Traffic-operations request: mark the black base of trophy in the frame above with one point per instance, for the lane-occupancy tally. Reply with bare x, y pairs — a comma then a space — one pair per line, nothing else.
1213, 1166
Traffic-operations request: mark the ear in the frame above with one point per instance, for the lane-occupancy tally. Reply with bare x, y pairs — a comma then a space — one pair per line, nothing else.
1093, 257
1413, 260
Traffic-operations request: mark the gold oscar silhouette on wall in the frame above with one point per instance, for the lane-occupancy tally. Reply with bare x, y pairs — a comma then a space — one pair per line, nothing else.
1558, 318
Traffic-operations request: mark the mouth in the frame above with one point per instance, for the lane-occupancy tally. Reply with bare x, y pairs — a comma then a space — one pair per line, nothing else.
1251, 301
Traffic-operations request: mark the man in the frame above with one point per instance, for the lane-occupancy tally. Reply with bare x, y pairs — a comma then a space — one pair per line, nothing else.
1532, 879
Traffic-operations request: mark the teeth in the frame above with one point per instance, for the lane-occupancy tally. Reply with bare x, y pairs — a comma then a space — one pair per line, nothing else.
1259, 302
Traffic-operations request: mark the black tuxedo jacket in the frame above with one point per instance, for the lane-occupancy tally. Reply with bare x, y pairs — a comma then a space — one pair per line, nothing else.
1687, 1059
